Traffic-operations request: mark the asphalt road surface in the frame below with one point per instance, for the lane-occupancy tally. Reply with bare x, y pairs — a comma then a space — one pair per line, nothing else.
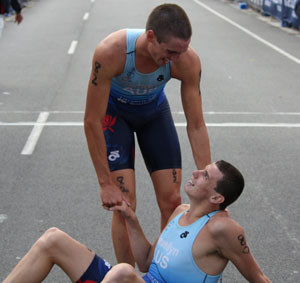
250, 87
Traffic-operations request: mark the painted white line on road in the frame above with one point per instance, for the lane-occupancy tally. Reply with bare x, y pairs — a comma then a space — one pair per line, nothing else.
274, 47
35, 134
86, 16
3, 217
248, 125
72, 47
38, 111
173, 112
229, 125
246, 113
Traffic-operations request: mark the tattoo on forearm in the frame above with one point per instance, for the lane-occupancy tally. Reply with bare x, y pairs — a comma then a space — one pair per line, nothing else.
97, 67
120, 179
243, 243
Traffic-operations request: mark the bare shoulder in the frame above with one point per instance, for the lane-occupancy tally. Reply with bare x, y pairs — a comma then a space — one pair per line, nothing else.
187, 65
111, 51
180, 208
222, 226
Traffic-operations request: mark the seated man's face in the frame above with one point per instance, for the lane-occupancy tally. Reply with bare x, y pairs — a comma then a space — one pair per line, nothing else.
203, 182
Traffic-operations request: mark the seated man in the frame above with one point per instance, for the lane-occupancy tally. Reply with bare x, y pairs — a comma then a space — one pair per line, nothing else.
196, 245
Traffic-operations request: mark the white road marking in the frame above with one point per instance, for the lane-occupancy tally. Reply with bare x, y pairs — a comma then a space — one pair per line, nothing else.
3, 217
72, 47
39, 125
248, 125
35, 134
274, 47
173, 112
86, 16
246, 113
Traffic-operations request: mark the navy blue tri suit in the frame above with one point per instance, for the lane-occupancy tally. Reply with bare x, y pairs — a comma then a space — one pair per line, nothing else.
137, 104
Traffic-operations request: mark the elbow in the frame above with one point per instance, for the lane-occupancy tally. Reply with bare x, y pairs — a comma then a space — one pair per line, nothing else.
87, 125
143, 265
143, 268
91, 126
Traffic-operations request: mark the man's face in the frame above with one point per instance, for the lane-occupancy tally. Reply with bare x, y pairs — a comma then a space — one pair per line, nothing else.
164, 52
203, 182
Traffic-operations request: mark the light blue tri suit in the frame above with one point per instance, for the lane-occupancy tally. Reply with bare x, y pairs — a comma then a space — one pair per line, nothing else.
173, 260
133, 87
137, 104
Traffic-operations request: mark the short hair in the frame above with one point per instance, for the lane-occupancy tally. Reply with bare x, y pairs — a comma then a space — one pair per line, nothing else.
168, 20
231, 185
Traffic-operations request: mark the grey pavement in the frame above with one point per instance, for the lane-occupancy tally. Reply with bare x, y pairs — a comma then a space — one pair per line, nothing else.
250, 87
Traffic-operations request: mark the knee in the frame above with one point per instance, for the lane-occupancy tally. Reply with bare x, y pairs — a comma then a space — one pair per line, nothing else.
175, 199
49, 239
171, 202
121, 273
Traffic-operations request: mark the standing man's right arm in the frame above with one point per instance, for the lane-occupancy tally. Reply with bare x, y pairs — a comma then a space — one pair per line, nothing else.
103, 70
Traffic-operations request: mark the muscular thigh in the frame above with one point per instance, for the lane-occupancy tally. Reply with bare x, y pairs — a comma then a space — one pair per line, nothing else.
158, 141
119, 139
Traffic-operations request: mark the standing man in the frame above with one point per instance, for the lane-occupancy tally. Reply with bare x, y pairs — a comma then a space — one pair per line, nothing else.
125, 96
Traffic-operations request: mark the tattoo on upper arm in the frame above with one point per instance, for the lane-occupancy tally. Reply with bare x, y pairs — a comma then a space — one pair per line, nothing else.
243, 243
120, 179
96, 69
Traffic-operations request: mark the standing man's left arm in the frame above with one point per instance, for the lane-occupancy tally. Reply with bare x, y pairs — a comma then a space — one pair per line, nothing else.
188, 70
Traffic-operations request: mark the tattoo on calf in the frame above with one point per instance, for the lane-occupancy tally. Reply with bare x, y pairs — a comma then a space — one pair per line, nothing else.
174, 176
97, 67
120, 179
243, 243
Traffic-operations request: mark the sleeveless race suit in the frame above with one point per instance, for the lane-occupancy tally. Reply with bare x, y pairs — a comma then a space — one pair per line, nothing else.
137, 103
136, 88
173, 260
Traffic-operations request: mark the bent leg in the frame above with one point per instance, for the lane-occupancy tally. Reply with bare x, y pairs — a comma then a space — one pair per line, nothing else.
167, 189
125, 179
123, 273
53, 247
